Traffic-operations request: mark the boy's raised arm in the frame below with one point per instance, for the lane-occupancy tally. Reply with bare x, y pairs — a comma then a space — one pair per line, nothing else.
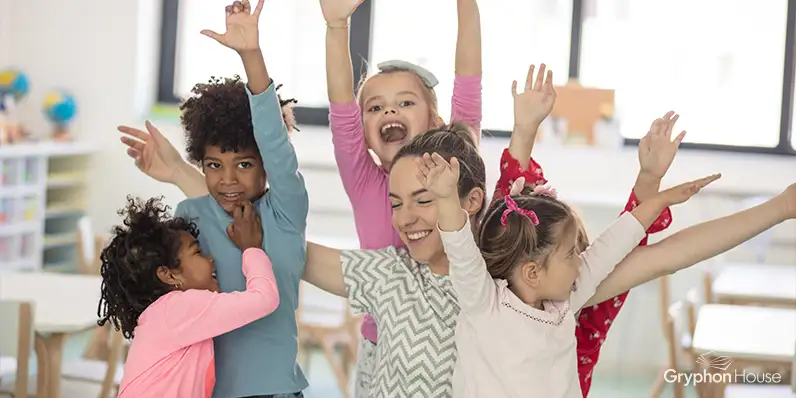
278, 155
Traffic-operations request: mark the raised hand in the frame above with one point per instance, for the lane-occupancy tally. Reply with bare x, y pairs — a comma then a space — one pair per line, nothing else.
337, 12
656, 150
154, 155
242, 31
535, 103
438, 177
683, 192
246, 230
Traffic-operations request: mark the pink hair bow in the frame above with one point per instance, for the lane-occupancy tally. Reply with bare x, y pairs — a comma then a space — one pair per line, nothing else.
511, 206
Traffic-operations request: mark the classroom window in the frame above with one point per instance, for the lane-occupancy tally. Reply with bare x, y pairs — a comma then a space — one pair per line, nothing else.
515, 34
725, 65
292, 38
719, 63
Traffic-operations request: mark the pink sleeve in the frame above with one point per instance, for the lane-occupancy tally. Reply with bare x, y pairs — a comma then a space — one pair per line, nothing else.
197, 315
364, 181
466, 101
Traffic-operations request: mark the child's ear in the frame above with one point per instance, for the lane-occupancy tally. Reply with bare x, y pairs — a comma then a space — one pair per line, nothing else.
474, 201
531, 273
438, 122
168, 276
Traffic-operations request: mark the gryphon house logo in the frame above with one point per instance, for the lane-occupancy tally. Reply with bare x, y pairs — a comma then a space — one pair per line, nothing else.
716, 362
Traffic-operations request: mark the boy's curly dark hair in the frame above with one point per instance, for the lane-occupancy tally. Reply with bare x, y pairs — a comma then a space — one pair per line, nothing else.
148, 239
218, 114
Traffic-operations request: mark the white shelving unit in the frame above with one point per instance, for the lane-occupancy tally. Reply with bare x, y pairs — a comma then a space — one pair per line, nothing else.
42, 195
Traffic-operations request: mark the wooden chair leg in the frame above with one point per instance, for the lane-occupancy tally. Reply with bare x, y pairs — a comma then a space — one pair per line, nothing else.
97, 348
340, 374
657, 388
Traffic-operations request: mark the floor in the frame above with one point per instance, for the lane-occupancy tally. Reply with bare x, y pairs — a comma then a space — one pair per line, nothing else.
323, 384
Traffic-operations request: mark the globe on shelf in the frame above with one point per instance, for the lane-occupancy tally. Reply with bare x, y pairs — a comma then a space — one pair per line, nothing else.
60, 108
14, 86
13, 83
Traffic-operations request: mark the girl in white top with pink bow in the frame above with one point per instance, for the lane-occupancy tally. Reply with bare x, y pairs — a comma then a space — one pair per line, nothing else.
515, 333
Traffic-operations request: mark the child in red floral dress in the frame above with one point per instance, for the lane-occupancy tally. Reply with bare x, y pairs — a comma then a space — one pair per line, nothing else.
656, 153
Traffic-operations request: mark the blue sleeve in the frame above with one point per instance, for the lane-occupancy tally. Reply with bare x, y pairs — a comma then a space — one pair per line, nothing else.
182, 210
287, 194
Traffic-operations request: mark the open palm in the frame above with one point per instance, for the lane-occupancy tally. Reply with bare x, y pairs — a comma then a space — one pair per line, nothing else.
536, 102
338, 11
681, 193
242, 32
153, 153
656, 150
438, 177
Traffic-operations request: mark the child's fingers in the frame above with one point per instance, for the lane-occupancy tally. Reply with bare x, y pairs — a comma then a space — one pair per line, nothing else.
529, 78
657, 127
259, 8
248, 211
540, 77
679, 139
422, 168
211, 34
703, 182
514, 88
237, 6
548, 84
133, 153
670, 126
228, 11
438, 160
230, 230
455, 166
133, 132
237, 213
134, 144
246, 6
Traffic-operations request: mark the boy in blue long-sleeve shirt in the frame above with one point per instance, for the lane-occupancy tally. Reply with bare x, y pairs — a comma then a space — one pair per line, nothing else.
237, 134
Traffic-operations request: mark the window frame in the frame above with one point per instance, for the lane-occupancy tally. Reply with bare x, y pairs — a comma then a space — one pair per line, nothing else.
360, 34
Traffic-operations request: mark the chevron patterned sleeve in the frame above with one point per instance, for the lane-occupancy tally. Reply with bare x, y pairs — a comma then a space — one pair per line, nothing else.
364, 272
471, 281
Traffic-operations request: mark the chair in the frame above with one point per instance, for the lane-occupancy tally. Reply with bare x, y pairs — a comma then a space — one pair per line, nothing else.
16, 345
108, 372
326, 321
679, 353
89, 247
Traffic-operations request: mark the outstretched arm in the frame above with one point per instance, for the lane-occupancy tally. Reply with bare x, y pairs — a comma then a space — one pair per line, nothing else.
695, 244
466, 103
339, 70
468, 41
324, 270
356, 274
288, 193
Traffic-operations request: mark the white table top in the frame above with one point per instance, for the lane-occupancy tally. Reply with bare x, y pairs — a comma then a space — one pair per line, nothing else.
63, 303
761, 282
746, 332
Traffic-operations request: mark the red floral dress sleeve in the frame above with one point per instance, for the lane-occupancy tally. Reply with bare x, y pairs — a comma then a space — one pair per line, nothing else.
511, 170
594, 321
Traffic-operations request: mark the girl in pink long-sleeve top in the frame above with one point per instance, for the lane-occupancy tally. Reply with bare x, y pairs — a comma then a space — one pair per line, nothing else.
160, 290
392, 106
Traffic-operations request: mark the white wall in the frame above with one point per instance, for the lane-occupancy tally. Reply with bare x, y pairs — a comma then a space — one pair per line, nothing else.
107, 56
